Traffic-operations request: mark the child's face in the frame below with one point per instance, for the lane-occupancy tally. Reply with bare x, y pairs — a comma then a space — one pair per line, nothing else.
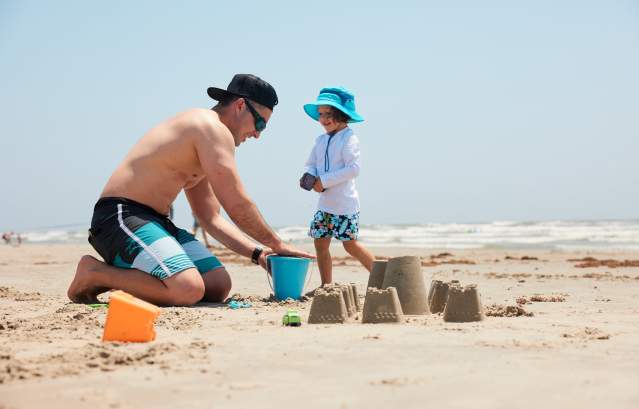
327, 120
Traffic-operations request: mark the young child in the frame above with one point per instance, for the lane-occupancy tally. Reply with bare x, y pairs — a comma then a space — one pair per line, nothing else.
334, 161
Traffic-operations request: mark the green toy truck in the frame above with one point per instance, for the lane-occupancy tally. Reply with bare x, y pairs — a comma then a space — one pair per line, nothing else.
292, 319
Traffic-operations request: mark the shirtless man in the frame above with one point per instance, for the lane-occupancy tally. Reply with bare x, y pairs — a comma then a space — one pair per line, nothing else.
146, 255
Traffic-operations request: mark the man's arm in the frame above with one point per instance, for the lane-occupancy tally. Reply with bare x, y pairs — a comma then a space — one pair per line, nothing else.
206, 208
215, 149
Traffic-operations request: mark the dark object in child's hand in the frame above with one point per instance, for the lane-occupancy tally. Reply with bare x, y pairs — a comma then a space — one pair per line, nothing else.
307, 181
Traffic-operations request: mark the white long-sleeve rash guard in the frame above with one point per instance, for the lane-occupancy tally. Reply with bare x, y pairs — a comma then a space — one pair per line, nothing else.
337, 168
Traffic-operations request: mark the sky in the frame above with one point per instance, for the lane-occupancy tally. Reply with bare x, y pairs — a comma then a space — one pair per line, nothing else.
520, 111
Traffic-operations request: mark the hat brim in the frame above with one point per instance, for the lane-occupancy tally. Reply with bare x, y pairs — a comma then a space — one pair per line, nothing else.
218, 94
311, 110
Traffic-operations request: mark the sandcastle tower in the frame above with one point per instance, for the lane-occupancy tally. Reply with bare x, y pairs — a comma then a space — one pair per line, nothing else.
328, 306
463, 304
382, 306
376, 277
438, 295
405, 274
347, 293
431, 290
358, 306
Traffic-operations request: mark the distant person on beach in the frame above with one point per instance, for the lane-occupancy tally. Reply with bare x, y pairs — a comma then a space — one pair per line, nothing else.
9, 236
196, 227
145, 254
332, 167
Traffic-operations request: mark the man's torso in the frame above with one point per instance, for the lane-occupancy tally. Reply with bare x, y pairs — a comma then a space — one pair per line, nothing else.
162, 163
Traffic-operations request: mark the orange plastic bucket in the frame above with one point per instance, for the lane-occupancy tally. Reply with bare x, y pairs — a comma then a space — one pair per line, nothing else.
129, 319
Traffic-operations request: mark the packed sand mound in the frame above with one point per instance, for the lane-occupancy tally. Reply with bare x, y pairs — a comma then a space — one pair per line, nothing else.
587, 333
104, 357
497, 310
66, 322
271, 302
541, 298
15, 295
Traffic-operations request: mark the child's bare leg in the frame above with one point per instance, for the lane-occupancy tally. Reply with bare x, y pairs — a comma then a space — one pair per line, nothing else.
324, 261
93, 277
361, 253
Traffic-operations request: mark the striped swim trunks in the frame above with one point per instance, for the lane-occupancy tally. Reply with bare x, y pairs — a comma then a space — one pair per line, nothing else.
129, 234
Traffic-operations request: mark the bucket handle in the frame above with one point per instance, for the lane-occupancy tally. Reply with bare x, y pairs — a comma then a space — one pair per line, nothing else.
268, 276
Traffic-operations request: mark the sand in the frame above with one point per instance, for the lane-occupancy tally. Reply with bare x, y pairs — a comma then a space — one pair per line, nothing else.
557, 333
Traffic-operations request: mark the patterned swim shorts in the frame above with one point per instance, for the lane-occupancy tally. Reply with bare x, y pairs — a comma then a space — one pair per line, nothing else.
342, 227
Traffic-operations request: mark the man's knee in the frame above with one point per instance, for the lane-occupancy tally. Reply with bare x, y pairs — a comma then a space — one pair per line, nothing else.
217, 285
185, 288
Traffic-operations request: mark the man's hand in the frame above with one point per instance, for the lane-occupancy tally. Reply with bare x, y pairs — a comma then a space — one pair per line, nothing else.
262, 259
318, 185
288, 250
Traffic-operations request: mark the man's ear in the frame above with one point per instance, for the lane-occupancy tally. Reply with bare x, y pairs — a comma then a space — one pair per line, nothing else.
240, 104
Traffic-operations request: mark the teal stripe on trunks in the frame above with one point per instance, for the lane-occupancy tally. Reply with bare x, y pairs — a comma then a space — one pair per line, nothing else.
175, 264
150, 232
203, 259
208, 264
161, 250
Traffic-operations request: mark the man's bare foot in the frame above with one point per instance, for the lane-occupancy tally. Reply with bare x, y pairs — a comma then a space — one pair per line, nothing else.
82, 290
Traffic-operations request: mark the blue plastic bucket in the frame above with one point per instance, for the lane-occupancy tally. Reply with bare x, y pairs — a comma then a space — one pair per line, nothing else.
289, 276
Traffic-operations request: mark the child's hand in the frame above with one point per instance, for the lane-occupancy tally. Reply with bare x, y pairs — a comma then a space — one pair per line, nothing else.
318, 185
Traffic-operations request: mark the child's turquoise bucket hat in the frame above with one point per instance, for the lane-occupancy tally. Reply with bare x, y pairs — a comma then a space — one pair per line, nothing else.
338, 97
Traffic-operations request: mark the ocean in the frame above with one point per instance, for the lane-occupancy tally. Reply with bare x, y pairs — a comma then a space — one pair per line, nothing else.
549, 235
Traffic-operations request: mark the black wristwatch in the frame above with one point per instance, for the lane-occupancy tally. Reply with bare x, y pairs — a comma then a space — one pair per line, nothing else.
255, 257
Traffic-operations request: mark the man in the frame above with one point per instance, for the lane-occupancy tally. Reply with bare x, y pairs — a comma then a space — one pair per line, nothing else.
145, 254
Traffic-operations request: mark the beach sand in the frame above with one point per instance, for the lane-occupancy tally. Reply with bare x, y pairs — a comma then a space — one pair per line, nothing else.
580, 347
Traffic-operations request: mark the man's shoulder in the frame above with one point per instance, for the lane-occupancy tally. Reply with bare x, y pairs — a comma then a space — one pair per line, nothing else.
198, 116
205, 121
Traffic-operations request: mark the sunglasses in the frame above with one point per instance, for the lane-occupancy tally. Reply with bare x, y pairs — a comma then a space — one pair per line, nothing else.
260, 123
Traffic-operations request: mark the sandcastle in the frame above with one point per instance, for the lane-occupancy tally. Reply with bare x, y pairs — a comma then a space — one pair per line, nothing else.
382, 306
355, 297
463, 304
376, 277
347, 293
438, 294
405, 274
333, 304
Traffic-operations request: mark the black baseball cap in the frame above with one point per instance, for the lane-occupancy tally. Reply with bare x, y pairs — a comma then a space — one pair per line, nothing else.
247, 86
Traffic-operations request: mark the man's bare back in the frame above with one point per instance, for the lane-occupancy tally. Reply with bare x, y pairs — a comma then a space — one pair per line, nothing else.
164, 161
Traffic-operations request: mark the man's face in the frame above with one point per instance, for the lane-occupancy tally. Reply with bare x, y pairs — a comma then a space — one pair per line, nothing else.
248, 115
326, 118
